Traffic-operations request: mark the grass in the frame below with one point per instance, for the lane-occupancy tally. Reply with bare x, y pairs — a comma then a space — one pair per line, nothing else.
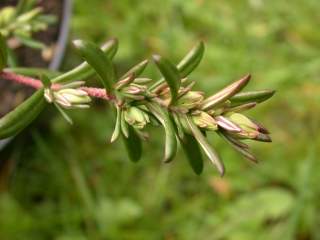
68, 183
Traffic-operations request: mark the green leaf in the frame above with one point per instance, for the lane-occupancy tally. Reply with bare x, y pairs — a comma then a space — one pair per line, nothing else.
33, 72
19, 118
192, 152
225, 93
84, 70
252, 96
171, 75
124, 125
133, 144
187, 64
29, 42
63, 114
242, 148
98, 61
136, 70
117, 128
3, 53
210, 152
191, 60
170, 136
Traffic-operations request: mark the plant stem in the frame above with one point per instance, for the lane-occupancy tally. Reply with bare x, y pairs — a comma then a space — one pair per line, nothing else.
36, 83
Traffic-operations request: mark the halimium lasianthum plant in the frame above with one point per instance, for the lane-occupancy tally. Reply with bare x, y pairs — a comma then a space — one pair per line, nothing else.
171, 102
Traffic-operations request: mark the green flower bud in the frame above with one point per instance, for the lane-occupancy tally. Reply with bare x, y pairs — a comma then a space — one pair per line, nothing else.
68, 97
136, 117
191, 99
134, 89
245, 123
204, 120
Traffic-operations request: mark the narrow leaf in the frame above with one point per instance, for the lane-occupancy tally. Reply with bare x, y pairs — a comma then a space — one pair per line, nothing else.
63, 113
133, 145
210, 152
19, 118
33, 72
187, 64
171, 75
117, 128
241, 107
178, 125
124, 125
225, 93
98, 61
239, 146
29, 42
84, 70
170, 136
191, 60
252, 96
137, 69
193, 153
3, 53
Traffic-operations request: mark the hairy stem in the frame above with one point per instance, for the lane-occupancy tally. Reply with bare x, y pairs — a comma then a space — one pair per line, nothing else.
36, 83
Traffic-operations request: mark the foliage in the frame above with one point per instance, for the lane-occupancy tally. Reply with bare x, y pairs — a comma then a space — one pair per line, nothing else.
277, 199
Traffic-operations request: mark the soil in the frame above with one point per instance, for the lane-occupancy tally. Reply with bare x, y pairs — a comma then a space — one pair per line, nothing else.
12, 94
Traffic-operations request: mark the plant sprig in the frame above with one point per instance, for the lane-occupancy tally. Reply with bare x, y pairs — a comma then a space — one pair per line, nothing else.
185, 114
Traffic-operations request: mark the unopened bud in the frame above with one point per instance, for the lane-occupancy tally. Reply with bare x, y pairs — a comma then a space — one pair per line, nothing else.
136, 117
204, 120
244, 122
68, 97
191, 99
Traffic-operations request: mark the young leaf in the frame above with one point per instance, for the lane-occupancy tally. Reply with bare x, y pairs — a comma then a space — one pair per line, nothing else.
19, 118
252, 96
133, 145
171, 75
29, 42
191, 60
170, 136
239, 146
187, 64
117, 128
96, 58
136, 70
241, 107
210, 152
225, 93
124, 125
33, 72
3, 53
63, 113
192, 152
84, 70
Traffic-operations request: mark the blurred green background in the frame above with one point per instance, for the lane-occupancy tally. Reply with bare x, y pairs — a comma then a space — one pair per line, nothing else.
68, 183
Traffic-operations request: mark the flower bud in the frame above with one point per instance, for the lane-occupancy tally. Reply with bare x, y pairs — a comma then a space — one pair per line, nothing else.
204, 120
68, 97
191, 99
136, 117
245, 123
134, 89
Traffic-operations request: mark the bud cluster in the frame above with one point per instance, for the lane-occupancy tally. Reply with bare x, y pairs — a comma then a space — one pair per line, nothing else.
185, 114
66, 97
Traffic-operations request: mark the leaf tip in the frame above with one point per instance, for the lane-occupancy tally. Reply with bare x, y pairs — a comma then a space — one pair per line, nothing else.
156, 57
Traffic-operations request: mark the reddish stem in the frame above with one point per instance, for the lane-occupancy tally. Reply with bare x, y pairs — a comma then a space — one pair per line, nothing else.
35, 83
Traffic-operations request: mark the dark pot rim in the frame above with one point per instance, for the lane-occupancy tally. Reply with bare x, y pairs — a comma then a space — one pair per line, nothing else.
62, 42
